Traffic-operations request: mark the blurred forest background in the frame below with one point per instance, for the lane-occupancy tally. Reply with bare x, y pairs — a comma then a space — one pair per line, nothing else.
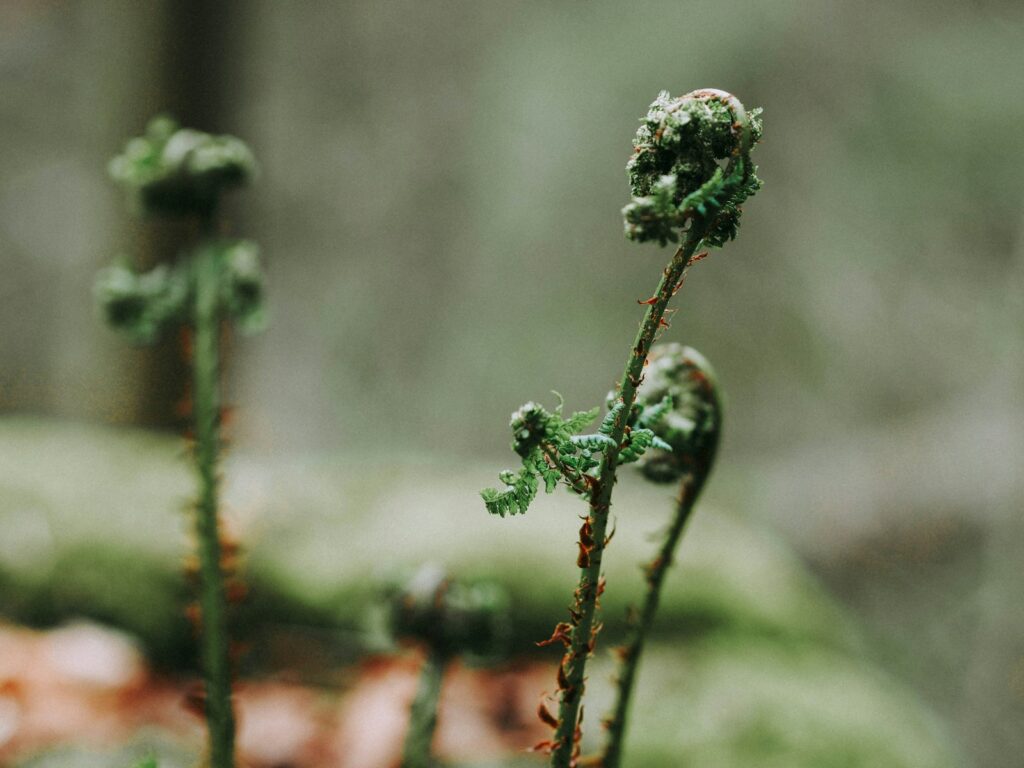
439, 212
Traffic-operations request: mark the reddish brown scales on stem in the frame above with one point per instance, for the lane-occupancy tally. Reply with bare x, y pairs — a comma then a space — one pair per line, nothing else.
652, 567
547, 746
562, 634
583, 558
609, 537
587, 533
563, 681
545, 716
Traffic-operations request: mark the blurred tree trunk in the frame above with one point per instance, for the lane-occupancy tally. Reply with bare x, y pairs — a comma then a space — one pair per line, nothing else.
197, 50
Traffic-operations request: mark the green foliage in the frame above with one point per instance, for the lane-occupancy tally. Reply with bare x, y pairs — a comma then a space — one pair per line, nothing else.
674, 172
178, 171
144, 305
520, 489
552, 451
175, 171
241, 285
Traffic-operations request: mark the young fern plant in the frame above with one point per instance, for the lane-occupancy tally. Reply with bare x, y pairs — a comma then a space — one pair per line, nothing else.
446, 619
681, 194
177, 172
691, 429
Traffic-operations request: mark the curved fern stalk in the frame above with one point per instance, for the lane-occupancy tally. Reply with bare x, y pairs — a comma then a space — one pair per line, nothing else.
174, 172
683, 377
565, 747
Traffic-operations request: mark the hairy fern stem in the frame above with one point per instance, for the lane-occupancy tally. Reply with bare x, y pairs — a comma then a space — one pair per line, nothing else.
179, 173
629, 654
213, 602
565, 749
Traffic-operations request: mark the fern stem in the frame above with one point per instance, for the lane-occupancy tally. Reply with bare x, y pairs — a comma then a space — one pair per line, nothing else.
565, 750
573, 478
214, 635
416, 752
631, 651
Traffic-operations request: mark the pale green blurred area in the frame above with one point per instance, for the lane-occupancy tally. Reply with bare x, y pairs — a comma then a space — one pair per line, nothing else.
751, 661
438, 208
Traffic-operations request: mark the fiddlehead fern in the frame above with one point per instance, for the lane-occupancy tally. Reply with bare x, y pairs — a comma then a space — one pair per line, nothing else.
177, 171
447, 619
681, 376
679, 193
172, 171
674, 173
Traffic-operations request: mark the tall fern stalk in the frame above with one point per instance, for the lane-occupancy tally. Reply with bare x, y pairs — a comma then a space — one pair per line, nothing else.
180, 173
583, 635
680, 193
692, 429
213, 603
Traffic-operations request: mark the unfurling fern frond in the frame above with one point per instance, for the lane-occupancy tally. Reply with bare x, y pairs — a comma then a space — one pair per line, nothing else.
581, 419
598, 442
520, 489
552, 452
651, 415
638, 442
656, 216
674, 173
608, 423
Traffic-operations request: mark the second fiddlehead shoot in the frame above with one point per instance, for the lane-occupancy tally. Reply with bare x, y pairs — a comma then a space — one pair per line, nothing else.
691, 428
680, 194
447, 619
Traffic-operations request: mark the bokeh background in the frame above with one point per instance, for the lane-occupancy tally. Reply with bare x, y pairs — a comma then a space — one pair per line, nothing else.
439, 214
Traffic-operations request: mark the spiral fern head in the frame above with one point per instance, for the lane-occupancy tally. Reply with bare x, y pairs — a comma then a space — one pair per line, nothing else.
177, 171
675, 174
682, 379
449, 617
